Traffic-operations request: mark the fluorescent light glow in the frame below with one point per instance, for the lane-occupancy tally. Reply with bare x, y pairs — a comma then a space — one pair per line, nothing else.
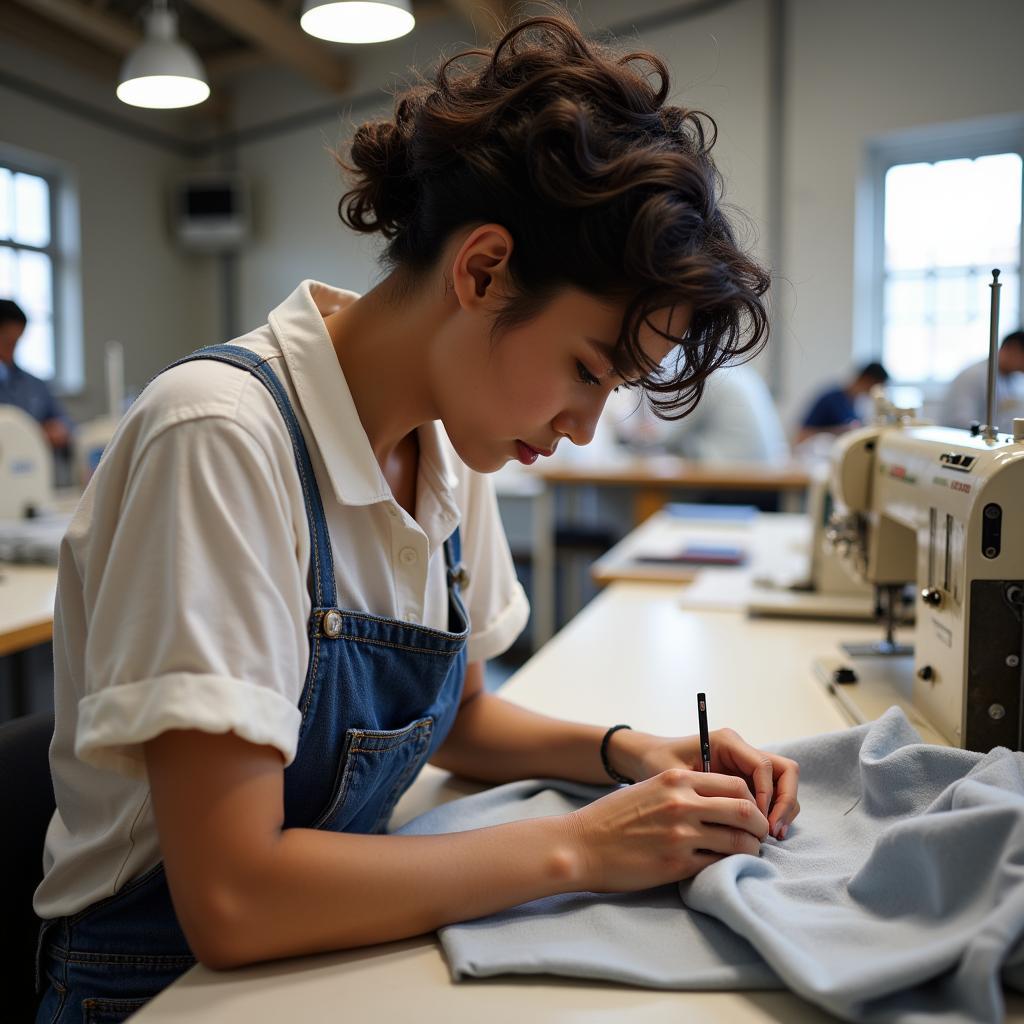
162, 92
357, 21
162, 72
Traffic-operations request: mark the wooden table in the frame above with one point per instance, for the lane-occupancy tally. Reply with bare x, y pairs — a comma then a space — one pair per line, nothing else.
26, 618
26, 606
653, 477
633, 655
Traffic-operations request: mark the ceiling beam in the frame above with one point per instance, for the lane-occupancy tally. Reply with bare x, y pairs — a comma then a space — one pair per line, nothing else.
106, 30
280, 36
45, 37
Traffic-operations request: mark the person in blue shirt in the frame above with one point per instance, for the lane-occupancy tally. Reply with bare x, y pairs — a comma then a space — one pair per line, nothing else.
835, 410
18, 387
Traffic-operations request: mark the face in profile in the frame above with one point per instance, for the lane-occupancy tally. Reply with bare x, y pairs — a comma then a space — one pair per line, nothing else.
10, 332
538, 384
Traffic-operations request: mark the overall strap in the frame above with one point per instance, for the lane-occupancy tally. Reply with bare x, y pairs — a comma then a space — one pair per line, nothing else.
321, 563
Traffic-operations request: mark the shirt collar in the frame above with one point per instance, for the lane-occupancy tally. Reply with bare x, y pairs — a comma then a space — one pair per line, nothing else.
327, 403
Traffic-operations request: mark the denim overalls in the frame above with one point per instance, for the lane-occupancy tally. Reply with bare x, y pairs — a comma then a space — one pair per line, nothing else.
378, 699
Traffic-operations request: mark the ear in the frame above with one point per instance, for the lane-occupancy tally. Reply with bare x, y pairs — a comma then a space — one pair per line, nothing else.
480, 268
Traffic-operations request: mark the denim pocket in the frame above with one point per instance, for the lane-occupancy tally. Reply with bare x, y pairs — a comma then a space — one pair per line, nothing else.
378, 765
109, 1011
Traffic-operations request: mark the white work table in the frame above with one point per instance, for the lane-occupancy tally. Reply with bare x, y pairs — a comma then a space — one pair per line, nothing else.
633, 655
776, 546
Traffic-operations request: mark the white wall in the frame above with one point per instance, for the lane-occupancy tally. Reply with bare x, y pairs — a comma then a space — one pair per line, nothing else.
296, 183
853, 72
137, 286
857, 71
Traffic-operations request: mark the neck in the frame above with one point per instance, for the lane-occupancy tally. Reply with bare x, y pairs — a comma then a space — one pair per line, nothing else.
383, 343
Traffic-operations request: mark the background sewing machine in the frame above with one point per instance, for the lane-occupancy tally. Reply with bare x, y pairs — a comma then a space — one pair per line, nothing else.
828, 590
26, 465
944, 509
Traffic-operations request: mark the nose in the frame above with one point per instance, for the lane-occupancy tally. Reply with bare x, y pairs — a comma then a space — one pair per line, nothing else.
579, 424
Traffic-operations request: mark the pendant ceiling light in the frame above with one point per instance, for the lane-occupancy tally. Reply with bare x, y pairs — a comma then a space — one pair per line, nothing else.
163, 71
350, 21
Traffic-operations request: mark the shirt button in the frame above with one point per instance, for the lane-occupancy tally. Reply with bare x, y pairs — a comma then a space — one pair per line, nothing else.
410, 617
408, 556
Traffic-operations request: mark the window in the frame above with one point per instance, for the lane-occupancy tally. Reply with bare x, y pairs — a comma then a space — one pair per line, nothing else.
27, 256
938, 208
946, 225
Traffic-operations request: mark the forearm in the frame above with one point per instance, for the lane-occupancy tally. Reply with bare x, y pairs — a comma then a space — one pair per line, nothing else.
496, 741
311, 891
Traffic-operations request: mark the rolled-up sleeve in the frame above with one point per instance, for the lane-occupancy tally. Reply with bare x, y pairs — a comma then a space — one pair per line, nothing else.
497, 605
198, 611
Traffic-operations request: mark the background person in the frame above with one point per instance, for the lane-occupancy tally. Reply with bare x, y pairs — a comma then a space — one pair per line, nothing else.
965, 401
19, 387
735, 421
836, 409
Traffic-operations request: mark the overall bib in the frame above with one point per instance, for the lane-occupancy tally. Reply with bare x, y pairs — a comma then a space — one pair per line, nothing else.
378, 699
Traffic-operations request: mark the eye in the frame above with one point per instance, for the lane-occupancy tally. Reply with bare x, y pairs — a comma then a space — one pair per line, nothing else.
585, 376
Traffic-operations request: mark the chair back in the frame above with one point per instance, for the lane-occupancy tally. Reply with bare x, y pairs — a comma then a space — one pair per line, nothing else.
26, 806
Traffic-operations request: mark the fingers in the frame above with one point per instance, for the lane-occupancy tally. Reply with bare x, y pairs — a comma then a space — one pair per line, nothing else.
755, 764
786, 806
737, 814
715, 784
774, 779
727, 841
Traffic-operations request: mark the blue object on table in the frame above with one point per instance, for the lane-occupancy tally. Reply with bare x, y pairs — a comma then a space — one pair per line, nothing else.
715, 513
898, 894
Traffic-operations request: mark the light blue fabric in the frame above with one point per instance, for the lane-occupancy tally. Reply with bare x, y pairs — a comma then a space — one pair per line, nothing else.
898, 894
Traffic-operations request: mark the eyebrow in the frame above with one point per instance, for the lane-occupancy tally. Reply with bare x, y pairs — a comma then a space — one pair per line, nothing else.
609, 350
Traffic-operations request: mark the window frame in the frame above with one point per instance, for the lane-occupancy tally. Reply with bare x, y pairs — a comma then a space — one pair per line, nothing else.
52, 250
960, 141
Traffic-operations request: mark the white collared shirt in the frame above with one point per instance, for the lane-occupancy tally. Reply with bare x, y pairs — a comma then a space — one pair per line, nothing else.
181, 595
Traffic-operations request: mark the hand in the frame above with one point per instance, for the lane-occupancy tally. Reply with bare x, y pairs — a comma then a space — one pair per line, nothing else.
664, 829
772, 779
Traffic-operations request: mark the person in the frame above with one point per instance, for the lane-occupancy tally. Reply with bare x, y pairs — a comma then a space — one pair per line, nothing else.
966, 399
736, 421
19, 387
835, 409
277, 594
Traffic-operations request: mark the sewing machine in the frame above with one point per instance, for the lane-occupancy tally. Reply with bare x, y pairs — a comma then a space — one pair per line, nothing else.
944, 509
26, 465
827, 590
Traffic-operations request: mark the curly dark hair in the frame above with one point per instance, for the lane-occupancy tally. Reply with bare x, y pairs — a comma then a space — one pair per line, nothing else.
601, 183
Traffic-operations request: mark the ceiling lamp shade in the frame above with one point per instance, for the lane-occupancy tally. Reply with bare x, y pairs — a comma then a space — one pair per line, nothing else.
163, 72
357, 21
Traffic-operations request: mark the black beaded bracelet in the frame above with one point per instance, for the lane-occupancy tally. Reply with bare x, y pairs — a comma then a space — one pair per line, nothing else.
612, 773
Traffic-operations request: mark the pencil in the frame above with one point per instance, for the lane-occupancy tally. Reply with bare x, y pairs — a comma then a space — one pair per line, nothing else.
702, 724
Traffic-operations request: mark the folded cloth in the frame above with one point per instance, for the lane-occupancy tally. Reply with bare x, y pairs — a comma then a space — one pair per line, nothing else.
898, 894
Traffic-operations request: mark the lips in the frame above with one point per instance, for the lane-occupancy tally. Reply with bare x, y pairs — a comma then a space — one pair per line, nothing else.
528, 455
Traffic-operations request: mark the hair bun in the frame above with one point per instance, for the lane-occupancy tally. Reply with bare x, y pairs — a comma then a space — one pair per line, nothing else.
384, 194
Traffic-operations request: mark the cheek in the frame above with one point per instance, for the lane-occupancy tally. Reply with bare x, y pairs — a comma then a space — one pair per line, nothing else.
504, 391
527, 385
